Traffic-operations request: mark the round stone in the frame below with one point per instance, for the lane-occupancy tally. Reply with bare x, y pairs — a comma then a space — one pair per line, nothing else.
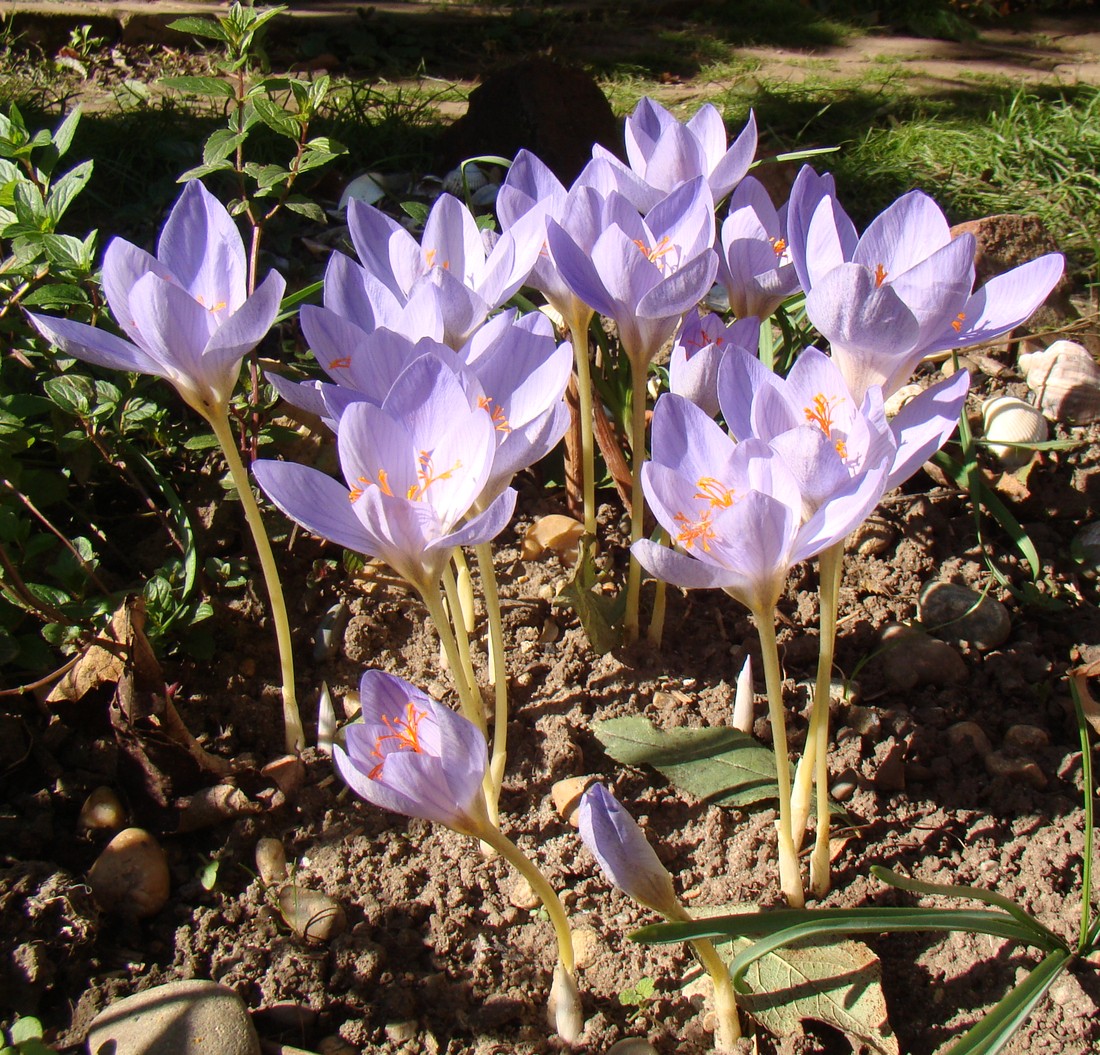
958, 613
192, 1017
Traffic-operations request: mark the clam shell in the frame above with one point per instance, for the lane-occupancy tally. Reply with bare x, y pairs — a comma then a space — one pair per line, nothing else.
1066, 381
1007, 420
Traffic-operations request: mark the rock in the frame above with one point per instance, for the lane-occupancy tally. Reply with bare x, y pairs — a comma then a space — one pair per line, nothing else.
401, 1032
969, 739
522, 895
1085, 548
271, 861
1015, 769
1026, 738
130, 876
844, 787
313, 916
959, 613
192, 1017
566, 796
632, 1046
1007, 240
586, 943
889, 767
102, 811
912, 658
554, 111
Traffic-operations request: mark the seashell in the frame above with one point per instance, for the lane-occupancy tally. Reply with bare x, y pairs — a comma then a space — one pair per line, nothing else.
463, 180
1007, 420
902, 396
1066, 381
366, 188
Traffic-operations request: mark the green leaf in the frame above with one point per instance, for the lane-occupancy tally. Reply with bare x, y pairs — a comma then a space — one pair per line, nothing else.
994, 1031
56, 295
199, 171
276, 118
220, 144
63, 192
25, 1029
199, 27
63, 134
213, 86
726, 766
73, 393
835, 982
417, 210
600, 615
309, 209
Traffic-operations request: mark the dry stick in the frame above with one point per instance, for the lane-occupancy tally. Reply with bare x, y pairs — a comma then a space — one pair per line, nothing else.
219, 422
790, 876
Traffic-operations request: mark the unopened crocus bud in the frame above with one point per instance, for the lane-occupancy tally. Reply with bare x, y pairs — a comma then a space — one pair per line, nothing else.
564, 1007
743, 699
618, 844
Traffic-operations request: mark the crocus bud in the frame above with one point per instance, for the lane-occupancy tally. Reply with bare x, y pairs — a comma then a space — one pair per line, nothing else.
616, 841
564, 1006
743, 699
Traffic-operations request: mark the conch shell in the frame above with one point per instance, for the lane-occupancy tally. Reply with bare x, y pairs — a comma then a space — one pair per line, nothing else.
1066, 381
1007, 420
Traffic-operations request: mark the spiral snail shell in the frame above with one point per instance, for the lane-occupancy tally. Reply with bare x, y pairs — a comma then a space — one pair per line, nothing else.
1066, 381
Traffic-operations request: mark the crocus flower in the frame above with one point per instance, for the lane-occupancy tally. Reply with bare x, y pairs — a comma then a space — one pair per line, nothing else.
473, 271
737, 509
623, 852
414, 756
644, 273
904, 290
413, 469
186, 311
700, 347
754, 263
665, 153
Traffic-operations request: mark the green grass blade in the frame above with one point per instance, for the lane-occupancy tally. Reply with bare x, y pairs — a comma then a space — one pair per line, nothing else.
1046, 938
1086, 777
995, 1030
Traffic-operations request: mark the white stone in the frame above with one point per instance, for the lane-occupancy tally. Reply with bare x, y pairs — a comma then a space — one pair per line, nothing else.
192, 1017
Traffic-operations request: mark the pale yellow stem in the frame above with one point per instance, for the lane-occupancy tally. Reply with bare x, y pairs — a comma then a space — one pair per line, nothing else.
578, 336
292, 723
497, 666
631, 618
469, 698
458, 623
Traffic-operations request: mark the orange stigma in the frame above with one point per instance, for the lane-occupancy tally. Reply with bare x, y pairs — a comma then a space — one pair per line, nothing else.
496, 412
655, 253
714, 492
699, 531
880, 275
404, 730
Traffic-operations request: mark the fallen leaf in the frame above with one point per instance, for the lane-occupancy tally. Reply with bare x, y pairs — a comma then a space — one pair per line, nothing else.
599, 614
725, 766
556, 532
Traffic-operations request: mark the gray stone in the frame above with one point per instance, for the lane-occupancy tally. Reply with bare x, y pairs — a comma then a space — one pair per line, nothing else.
911, 658
958, 613
192, 1017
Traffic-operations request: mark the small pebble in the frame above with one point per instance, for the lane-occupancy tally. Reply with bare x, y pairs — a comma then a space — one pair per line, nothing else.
971, 737
632, 1046
844, 787
102, 811
566, 796
1026, 738
522, 896
958, 613
130, 876
912, 658
335, 1046
192, 1017
889, 767
401, 1032
999, 765
586, 943
313, 916
271, 861
865, 721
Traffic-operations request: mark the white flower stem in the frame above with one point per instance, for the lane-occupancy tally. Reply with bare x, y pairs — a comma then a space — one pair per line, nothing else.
292, 722
511, 853
458, 623
790, 876
497, 760
468, 697
831, 565
631, 618
656, 630
578, 336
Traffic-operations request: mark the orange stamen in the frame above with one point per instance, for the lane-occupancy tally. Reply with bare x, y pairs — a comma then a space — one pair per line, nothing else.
714, 492
696, 531
656, 252
496, 413
880, 275
340, 364
957, 322
405, 730
779, 245
427, 476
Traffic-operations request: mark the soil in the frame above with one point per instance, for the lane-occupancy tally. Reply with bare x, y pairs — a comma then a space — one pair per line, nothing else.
443, 951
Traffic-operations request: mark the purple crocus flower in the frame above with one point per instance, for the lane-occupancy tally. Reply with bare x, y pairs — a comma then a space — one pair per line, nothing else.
665, 153
186, 311
473, 271
414, 756
644, 273
623, 852
414, 468
737, 509
904, 290
700, 347
754, 264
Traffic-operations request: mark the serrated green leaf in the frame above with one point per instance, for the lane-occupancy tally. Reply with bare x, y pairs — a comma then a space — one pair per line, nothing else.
213, 86
203, 442
63, 134
220, 144
205, 170
310, 209
199, 27
63, 192
276, 118
725, 766
73, 393
56, 295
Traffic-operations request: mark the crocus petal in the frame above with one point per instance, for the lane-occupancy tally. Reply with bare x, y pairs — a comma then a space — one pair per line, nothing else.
484, 526
623, 852
681, 290
740, 376
247, 326
123, 265
576, 268
314, 501
681, 570
97, 346
686, 440
924, 425
844, 511
906, 232
201, 246
731, 169
385, 249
